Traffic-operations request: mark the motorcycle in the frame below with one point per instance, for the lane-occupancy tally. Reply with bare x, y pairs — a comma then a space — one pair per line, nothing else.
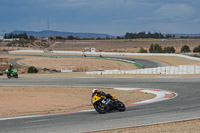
102, 104
12, 73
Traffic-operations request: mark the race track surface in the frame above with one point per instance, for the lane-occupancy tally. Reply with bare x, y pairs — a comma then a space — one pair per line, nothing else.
185, 106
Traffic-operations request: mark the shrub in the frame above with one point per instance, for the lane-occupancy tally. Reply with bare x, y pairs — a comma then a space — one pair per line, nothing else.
142, 50
196, 49
169, 49
32, 69
185, 48
155, 48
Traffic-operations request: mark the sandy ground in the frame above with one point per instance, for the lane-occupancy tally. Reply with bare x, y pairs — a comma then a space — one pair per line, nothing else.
78, 64
17, 101
192, 126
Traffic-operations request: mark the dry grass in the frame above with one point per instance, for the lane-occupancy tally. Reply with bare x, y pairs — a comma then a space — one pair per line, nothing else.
122, 45
128, 45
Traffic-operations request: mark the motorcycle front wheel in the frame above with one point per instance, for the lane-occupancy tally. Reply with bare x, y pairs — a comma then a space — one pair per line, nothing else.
16, 75
120, 106
100, 108
8, 75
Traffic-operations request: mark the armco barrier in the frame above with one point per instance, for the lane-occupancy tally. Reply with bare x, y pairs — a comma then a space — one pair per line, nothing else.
168, 70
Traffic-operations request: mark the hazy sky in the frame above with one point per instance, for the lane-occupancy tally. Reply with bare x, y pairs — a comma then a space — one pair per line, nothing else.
115, 17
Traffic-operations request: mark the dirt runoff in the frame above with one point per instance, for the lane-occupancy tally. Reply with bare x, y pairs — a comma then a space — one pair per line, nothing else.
192, 126
20, 101
76, 64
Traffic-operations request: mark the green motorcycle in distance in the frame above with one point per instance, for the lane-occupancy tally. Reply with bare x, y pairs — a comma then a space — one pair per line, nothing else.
12, 73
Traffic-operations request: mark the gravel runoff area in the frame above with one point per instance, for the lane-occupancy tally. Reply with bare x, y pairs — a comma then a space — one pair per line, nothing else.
78, 64
20, 101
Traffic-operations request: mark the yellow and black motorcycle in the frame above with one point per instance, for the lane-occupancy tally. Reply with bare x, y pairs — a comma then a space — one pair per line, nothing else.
102, 104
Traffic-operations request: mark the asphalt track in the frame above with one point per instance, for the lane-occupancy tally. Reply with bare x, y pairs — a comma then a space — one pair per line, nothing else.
185, 106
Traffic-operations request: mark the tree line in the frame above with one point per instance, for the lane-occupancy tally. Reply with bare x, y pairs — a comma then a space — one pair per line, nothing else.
20, 36
156, 48
156, 35
26, 37
147, 35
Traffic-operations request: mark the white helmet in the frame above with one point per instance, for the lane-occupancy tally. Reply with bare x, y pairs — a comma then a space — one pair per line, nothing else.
94, 91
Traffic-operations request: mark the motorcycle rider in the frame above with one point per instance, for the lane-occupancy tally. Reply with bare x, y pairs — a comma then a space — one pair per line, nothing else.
10, 68
101, 93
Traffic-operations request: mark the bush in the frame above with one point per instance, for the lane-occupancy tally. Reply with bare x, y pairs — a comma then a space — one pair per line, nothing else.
169, 49
32, 69
196, 49
185, 48
155, 48
142, 50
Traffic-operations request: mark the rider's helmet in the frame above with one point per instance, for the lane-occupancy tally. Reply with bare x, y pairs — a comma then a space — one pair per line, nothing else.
11, 64
95, 91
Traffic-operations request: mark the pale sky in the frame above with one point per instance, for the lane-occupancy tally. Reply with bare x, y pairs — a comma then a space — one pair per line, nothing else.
115, 17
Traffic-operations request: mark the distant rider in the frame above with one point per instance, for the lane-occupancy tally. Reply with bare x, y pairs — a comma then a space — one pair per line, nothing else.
11, 67
101, 93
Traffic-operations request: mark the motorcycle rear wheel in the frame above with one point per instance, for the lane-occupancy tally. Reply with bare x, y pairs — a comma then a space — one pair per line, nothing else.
120, 106
99, 108
16, 75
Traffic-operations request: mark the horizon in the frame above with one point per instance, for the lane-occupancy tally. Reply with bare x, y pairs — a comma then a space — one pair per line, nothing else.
96, 33
113, 17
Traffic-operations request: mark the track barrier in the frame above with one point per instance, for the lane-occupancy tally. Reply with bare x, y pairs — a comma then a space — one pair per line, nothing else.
168, 70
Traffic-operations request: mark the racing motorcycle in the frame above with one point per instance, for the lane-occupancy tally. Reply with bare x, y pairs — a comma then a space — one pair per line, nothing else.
102, 104
12, 73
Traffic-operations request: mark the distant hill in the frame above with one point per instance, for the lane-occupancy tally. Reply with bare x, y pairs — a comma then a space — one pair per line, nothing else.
44, 34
